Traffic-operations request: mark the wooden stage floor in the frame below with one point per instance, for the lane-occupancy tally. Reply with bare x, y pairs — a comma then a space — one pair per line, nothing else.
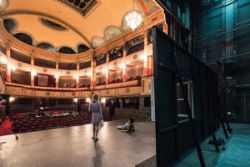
73, 147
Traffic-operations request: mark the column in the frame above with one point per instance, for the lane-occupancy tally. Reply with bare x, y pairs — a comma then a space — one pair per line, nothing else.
78, 77
93, 76
57, 76
124, 72
145, 60
8, 74
32, 79
106, 65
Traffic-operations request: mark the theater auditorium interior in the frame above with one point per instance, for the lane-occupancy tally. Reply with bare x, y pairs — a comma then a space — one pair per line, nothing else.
163, 82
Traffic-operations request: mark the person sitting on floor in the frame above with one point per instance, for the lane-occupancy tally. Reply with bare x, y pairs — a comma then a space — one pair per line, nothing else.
128, 126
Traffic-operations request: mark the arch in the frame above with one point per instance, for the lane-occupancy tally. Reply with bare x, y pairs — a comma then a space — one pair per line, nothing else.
66, 50
46, 46
9, 24
24, 38
82, 48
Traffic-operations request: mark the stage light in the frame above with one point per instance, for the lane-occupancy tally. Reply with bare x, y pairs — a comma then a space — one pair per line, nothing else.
12, 67
33, 73
103, 100
12, 99
88, 100
75, 100
3, 60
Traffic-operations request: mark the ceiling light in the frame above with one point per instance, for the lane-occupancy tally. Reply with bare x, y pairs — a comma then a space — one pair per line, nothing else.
3, 5
133, 19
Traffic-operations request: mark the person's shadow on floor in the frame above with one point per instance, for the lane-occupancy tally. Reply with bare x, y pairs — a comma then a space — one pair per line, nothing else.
99, 152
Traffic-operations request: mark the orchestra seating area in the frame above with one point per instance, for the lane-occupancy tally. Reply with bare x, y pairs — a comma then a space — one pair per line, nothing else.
27, 123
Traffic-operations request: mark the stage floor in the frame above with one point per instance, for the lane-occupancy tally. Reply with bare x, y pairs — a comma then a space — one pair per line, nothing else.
73, 147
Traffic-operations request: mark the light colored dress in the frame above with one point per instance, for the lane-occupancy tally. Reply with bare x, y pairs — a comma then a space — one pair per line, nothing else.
96, 111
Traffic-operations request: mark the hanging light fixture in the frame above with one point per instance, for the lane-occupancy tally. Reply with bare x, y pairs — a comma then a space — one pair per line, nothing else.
133, 19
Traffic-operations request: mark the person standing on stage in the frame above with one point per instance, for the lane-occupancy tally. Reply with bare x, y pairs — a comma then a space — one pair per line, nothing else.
96, 115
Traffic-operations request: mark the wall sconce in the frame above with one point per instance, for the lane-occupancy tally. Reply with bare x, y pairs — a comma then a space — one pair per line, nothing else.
33, 73
75, 100
3, 60
143, 57
76, 76
57, 76
89, 74
103, 100
88, 100
12, 99
11, 67
122, 66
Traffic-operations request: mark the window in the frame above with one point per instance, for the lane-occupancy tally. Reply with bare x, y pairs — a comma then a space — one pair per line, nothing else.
181, 109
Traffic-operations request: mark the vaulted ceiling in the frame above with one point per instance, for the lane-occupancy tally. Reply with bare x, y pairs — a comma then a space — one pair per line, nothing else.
70, 23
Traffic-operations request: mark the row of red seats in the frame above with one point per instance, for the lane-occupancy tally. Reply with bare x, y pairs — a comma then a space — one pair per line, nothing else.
24, 124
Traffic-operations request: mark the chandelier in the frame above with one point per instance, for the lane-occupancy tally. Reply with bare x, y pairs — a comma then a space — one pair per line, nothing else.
133, 19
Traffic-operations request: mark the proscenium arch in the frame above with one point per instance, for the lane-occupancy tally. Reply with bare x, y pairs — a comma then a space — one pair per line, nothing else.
29, 12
